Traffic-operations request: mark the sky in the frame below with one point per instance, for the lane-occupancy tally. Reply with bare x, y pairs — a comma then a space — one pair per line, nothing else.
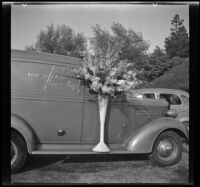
153, 22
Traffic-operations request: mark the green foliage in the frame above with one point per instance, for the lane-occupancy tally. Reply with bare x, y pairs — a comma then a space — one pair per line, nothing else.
60, 40
154, 68
177, 44
158, 52
176, 78
126, 42
156, 65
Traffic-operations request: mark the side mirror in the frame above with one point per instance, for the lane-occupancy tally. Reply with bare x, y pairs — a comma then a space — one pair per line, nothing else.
171, 113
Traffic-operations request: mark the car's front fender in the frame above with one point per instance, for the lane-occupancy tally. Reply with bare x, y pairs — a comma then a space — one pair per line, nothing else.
22, 127
183, 119
142, 140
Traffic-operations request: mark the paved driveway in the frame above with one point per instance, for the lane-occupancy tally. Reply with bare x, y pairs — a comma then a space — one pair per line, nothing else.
100, 169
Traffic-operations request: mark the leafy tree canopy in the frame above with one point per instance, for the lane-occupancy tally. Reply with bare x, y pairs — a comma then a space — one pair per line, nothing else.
60, 40
158, 52
128, 44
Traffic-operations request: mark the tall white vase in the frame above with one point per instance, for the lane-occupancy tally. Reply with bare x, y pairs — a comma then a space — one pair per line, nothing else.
103, 104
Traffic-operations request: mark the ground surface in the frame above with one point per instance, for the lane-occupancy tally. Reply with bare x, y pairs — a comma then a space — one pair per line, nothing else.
100, 169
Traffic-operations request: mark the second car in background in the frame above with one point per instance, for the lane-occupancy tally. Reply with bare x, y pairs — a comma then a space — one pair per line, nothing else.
178, 100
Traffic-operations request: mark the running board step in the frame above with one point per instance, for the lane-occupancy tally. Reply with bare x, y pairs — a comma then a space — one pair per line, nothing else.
77, 149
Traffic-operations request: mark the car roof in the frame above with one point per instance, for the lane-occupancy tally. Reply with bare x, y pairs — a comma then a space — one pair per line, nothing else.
165, 90
43, 56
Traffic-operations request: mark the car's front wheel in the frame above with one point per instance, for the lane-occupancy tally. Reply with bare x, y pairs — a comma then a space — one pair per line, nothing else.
167, 149
18, 152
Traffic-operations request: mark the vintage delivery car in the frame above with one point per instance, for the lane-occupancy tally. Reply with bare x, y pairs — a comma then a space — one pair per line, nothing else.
51, 113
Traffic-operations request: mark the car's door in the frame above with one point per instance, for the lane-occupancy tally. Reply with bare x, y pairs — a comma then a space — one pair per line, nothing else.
117, 124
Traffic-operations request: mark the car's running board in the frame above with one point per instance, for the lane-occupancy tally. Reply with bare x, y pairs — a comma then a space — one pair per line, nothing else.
71, 152
77, 149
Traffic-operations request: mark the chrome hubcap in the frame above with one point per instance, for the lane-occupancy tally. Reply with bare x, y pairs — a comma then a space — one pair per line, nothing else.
165, 148
13, 152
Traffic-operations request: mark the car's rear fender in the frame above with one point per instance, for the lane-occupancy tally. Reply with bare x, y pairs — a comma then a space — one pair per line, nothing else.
142, 140
24, 129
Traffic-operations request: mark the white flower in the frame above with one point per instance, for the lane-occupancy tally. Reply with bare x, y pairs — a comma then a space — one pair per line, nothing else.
87, 76
95, 86
97, 79
129, 72
130, 83
134, 74
114, 81
119, 89
107, 89
121, 82
113, 73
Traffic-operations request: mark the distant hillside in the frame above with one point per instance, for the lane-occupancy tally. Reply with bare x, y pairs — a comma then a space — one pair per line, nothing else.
176, 78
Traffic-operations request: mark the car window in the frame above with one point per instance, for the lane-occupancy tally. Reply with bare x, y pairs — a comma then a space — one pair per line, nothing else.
171, 99
149, 95
185, 99
139, 96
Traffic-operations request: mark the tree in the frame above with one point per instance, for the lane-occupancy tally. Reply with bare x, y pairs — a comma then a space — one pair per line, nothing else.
155, 66
31, 47
126, 42
60, 40
177, 44
158, 52
133, 46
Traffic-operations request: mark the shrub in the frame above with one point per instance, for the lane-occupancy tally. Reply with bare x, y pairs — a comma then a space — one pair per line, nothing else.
175, 78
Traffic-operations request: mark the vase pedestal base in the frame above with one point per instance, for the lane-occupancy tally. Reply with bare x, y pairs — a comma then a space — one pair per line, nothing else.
101, 147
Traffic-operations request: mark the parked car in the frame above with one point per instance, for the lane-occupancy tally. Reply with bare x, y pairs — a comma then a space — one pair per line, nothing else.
51, 113
178, 100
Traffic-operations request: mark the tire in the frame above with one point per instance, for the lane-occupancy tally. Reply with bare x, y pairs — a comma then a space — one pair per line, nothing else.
163, 157
18, 152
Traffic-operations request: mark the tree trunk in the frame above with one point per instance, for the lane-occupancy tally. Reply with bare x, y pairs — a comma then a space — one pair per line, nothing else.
103, 104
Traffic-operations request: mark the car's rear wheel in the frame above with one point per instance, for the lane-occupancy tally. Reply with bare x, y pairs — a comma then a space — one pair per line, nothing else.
18, 152
167, 149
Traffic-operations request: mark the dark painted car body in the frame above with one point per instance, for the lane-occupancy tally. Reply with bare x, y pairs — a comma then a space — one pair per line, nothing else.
56, 115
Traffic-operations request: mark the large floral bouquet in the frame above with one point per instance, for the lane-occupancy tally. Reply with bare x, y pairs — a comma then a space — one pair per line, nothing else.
106, 74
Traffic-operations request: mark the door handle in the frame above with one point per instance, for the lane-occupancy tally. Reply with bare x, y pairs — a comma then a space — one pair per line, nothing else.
61, 132
124, 125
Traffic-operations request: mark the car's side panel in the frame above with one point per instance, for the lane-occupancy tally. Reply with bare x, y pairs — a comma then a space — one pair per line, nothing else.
49, 98
143, 139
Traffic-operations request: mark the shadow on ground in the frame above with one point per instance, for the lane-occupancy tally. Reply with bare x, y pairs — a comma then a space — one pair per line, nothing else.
40, 161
